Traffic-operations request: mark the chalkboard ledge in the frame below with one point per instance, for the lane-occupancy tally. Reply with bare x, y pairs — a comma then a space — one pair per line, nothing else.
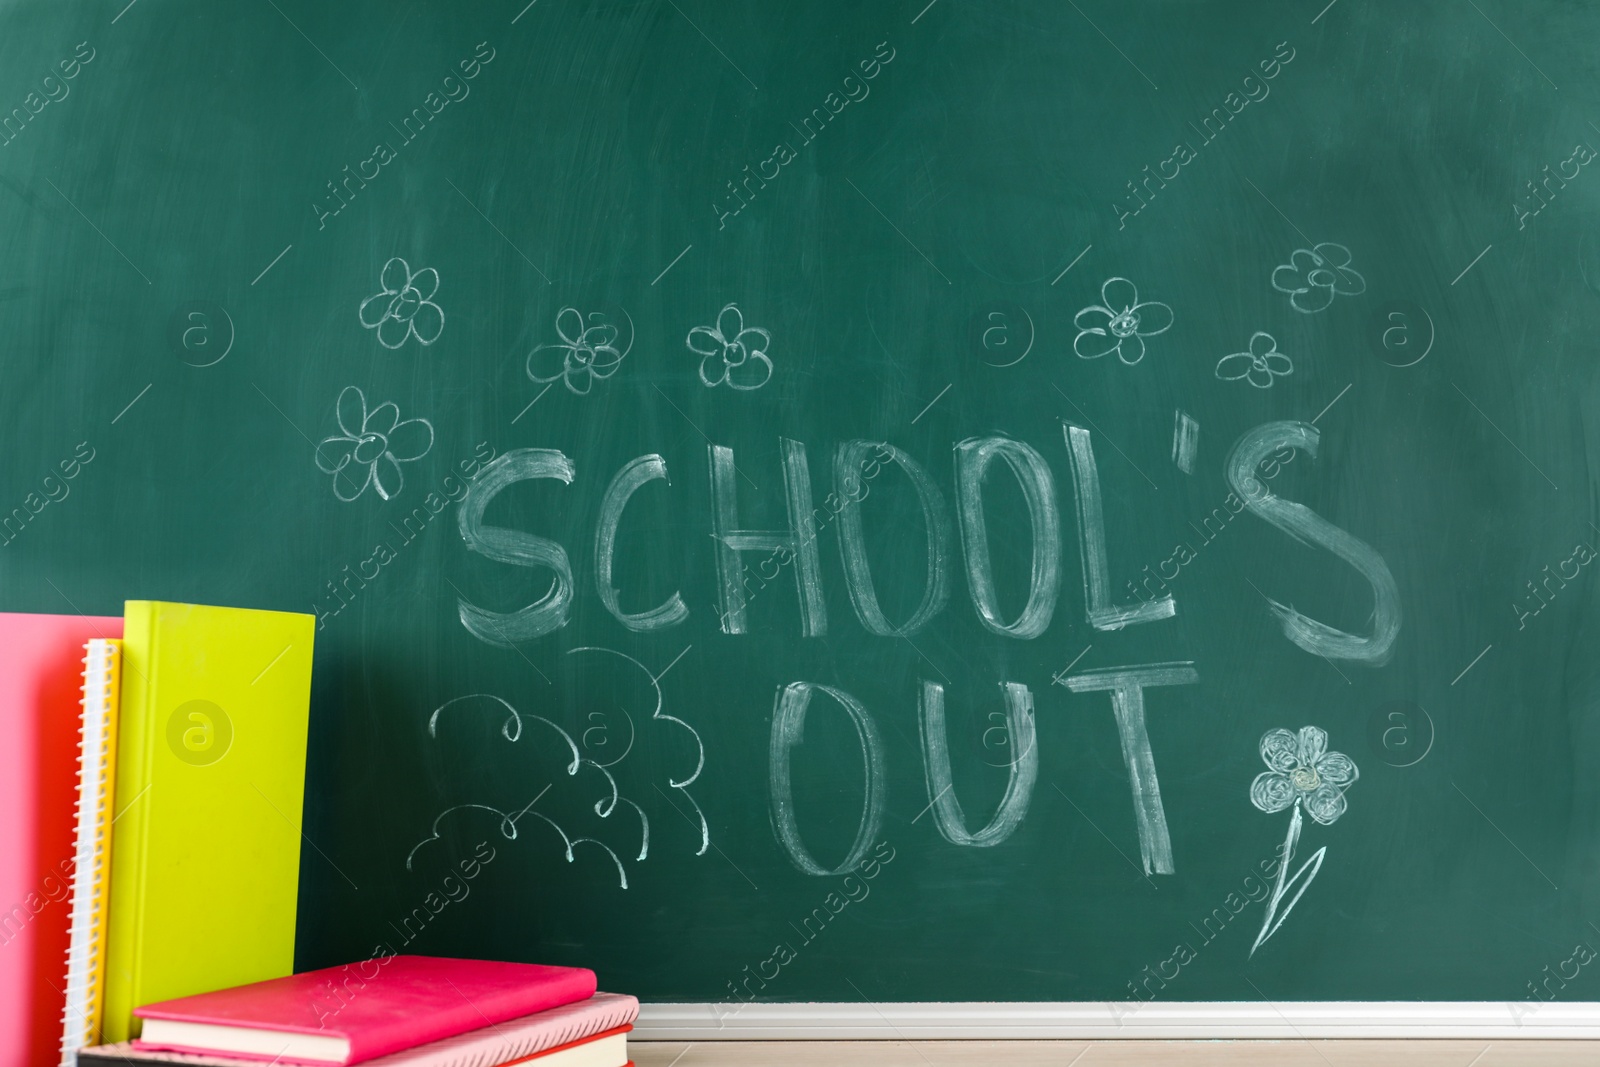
1287, 1020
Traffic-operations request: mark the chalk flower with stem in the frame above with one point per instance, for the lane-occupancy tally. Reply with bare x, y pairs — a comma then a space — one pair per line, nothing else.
1301, 775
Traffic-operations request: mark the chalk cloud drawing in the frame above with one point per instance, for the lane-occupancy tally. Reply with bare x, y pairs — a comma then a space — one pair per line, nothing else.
586, 353
575, 764
732, 353
1260, 366
405, 307
370, 447
1120, 323
1314, 276
1301, 774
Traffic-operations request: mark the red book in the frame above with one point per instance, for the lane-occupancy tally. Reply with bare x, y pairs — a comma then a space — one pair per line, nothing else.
344, 1015
41, 678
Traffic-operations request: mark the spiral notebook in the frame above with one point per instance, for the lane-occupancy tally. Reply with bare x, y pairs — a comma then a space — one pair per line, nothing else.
85, 984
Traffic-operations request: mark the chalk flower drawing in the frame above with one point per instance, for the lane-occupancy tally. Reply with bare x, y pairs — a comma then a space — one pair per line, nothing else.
1259, 366
731, 352
370, 447
1119, 324
405, 307
1301, 773
583, 354
1314, 276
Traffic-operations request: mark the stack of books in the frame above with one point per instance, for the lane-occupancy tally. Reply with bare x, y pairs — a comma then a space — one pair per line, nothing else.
149, 857
153, 865
413, 1011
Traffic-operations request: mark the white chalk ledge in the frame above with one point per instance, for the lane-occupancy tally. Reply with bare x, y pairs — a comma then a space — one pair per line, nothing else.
1284, 1020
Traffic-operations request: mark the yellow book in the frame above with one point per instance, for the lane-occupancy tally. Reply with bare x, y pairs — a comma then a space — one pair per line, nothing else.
211, 762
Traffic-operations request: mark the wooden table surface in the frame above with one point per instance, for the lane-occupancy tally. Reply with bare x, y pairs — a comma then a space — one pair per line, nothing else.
1118, 1053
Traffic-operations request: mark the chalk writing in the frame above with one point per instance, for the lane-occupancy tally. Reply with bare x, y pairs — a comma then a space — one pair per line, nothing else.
1126, 685
586, 353
788, 730
974, 457
1259, 366
370, 447
657, 714
731, 352
1024, 768
1185, 441
404, 307
1101, 612
1305, 525
1120, 323
512, 729
1301, 773
628, 480
1314, 276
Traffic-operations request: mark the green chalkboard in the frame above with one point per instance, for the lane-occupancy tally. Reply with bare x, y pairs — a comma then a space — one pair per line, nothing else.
821, 501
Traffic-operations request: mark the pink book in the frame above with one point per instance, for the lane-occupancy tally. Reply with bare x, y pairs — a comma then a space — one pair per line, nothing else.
344, 1015
529, 1040
41, 677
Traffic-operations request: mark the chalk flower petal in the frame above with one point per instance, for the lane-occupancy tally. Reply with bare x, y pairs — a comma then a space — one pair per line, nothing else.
753, 373
713, 371
377, 307
411, 439
427, 322
1154, 317
1092, 344
1272, 792
393, 331
1094, 318
1131, 349
1337, 769
1325, 804
1313, 743
1232, 368
396, 275
425, 282
704, 341
730, 321
350, 483
604, 361
382, 419
546, 363
1119, 294
351, 411
386, 476
1280, 750
333, 453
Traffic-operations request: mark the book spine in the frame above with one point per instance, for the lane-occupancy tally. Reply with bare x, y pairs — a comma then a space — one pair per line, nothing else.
136, 742
80, 1023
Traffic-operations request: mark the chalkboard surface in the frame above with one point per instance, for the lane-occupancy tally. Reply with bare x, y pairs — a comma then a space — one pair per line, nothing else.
855, 501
